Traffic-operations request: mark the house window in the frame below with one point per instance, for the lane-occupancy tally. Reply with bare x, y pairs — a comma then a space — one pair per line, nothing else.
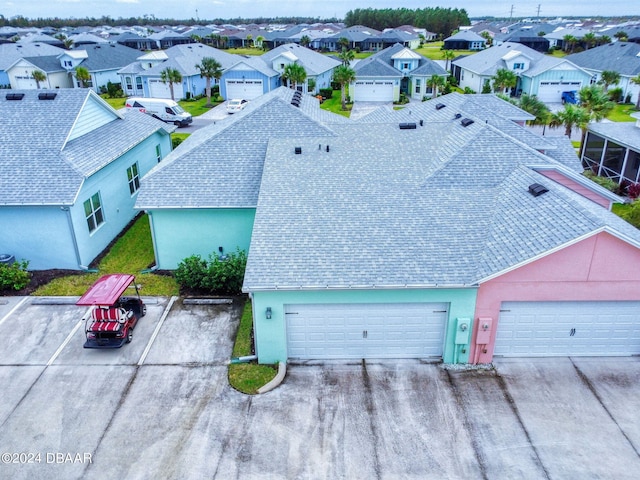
133, 178
158, 153
405, 66
417, 85
282, 66
127, 80
93, 212
518, 66
139, 83
68, 63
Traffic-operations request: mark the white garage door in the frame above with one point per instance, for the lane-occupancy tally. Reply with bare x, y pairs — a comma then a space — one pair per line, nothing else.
245, 89
568, 328
26, 83
373, 91
551, 92
157, 89
413, 330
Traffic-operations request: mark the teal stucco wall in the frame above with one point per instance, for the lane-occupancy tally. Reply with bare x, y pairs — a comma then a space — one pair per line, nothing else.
180, 233
271, 335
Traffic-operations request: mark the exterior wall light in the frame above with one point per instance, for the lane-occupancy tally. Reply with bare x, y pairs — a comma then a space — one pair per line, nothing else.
268, 313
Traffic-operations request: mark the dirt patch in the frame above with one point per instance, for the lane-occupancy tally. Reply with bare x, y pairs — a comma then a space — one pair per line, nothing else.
39, 278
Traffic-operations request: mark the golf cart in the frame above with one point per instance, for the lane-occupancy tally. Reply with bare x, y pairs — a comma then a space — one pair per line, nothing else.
111, 318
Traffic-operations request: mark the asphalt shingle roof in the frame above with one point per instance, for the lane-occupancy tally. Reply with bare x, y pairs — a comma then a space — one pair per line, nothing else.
621, 57
314, 63
36, 166
232, 152
11, 52
108, 56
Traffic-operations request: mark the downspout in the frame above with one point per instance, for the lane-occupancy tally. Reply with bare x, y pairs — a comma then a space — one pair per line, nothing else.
76, 250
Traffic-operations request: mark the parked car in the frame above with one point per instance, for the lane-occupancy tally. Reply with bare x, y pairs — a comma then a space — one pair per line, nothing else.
111, 318
236, 105
570, 97
162, 109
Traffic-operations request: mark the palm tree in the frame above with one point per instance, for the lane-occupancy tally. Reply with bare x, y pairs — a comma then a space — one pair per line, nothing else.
589, 39
83, 76
504, 79
294, 72
258, 41
571, 116
215, 39
343, 42
434, 82
447, 56
209, 68
636, 80
595, 101
344, 75
346, 56
622, 36
487, 36
531, 104
38, 76
305, 41
569, 42
170, 75
609, 77
249, 38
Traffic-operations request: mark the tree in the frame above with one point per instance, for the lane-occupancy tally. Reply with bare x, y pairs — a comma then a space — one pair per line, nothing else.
344, 75
504, 79
343, 42
170, 75
571, 116
435, 81
595, 101
258, 41
209, 68
294, 73
531, 104
38, 76
486, 87
569, 41
589, 40
609, 77
621, 35
487, 36
83, 76
636, 80
305, 41
249, 40
347, 56
447, 56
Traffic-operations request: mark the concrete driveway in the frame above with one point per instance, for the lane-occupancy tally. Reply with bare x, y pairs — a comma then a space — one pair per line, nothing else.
161, 407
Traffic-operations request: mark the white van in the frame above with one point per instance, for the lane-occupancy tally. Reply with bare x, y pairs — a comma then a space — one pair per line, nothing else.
162, 109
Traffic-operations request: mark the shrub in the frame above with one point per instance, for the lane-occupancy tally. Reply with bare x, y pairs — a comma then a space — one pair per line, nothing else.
114, 90
633, 214
14, 276
469, 90
633, 191
615, 94
215, 275
326, 92
175, 141
602, 181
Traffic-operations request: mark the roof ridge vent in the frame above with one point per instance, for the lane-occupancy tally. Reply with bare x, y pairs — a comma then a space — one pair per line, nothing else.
14, 96
408, 126
536, 189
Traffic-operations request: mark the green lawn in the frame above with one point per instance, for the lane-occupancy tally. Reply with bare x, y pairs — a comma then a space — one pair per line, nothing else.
334, 104
245, 51
131, 253
433, 50
197, 107
248, 377
116, 103
621, 113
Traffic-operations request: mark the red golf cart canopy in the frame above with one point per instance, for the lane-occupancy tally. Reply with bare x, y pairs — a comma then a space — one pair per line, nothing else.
107, 290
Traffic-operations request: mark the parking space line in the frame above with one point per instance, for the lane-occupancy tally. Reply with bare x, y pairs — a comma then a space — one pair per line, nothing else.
66, 341
18, 305
156, 331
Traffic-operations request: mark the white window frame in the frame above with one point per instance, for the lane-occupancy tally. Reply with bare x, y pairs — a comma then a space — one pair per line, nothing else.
93, 212
133, 178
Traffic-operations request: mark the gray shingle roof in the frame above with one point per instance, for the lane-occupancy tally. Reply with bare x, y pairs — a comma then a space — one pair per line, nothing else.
489, 60
108, 56
623, 133
35, 166
232, 153
621, 57
10, 52
380, 64
314, 63
48, 64
451, 210
186, 57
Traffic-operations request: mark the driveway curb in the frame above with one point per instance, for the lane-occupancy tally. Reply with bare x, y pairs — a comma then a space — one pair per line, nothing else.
277, 380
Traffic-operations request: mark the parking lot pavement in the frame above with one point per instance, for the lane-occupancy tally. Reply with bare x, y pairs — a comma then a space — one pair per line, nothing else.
161, 407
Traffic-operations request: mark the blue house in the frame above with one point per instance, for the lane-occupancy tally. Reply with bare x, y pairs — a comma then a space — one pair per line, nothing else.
143, 76
69, 177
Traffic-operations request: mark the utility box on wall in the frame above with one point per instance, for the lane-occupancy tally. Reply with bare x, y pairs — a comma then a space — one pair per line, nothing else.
463, 330
483, 335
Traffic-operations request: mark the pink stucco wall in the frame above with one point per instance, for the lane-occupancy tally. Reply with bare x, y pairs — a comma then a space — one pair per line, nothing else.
598, 268
578, 188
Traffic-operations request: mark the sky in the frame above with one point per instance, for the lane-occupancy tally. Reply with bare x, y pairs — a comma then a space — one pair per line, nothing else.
209, 9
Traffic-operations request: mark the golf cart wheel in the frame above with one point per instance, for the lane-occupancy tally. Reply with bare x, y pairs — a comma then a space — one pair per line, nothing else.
129, 335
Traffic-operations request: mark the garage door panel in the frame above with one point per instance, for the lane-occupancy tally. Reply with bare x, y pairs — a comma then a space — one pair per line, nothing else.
568, 328
373, 91
365, 331
247, 89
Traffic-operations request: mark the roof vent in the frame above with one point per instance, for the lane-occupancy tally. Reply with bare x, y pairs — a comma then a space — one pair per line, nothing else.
295, 102
421, 122
440, 106
408, 126
14, 96
536, 189
298, 150
47, 95
465, 122
457, 116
